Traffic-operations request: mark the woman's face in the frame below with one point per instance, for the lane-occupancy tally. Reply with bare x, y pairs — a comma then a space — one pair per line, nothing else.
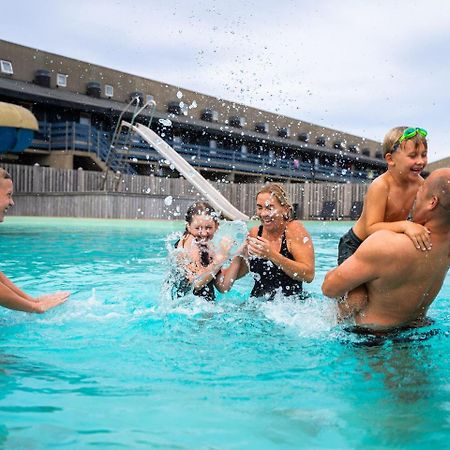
269, 210
202, 227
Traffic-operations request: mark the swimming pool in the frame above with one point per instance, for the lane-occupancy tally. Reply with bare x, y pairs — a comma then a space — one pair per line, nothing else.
117, 367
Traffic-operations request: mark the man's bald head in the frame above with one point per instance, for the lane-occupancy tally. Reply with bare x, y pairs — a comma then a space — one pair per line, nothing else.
433, 198
438, 185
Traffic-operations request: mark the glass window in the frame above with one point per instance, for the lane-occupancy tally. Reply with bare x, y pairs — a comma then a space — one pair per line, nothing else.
6, 67
61, 80
109, 90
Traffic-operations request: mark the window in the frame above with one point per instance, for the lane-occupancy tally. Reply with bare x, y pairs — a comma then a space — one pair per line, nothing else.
6, 67
109, 90
61, 80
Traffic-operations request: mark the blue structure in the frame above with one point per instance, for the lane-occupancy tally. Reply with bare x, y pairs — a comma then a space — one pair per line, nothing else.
17, 127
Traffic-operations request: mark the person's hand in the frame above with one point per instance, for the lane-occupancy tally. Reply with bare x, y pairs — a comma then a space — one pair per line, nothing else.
419, 234
48, 301
258, 246
225, 245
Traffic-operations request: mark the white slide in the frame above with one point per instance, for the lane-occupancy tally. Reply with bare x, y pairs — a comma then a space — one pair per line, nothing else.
204, 187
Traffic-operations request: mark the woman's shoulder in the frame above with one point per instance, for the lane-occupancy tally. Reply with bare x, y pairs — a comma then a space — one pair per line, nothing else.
295, 229
295, 225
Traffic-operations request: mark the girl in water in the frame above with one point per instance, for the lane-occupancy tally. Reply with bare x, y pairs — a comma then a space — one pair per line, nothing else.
200, 263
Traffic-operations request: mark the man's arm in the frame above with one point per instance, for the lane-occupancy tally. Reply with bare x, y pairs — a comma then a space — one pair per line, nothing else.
361, 267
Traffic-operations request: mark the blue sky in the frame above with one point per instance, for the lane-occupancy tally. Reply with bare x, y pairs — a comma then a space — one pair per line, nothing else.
357, 66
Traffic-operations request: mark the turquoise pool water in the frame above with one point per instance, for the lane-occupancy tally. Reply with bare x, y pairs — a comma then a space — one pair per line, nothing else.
119, 367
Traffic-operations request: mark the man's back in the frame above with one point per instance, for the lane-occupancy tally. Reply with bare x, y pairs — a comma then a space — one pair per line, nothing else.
406, 280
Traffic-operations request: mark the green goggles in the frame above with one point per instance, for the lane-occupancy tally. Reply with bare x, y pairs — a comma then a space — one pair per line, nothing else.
409, 133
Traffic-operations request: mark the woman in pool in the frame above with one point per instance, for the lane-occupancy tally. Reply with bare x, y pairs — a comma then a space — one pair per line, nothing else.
198, 260
280, 250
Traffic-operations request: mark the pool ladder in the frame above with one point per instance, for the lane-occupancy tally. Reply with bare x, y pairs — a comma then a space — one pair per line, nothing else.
117, 151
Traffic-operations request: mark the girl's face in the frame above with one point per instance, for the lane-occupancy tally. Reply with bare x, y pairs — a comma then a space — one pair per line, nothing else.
202, 227
410, 160
270, 211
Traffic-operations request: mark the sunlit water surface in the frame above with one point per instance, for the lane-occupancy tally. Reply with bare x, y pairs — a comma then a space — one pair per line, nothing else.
119, 366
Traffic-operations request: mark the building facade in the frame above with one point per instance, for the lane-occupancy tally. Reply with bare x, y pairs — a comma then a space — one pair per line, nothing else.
79, 106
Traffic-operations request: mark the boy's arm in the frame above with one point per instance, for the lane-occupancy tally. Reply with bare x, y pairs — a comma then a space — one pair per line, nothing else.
375, 204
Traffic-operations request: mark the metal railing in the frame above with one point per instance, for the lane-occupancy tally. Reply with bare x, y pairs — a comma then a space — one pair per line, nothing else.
75, 136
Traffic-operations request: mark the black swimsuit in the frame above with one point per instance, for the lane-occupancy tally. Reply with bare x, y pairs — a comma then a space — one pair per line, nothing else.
270, 277
184, 287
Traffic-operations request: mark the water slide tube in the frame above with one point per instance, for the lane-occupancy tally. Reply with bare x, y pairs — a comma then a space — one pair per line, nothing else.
201, 184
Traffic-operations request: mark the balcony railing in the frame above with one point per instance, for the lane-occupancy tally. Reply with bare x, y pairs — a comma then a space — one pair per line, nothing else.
74, 136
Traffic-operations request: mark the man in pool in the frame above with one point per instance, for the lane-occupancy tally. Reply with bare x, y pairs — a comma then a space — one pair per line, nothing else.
401, 282
11, 296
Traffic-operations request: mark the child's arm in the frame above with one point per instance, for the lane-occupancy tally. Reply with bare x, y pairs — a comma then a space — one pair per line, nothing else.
203, 275
375, 204
237, 269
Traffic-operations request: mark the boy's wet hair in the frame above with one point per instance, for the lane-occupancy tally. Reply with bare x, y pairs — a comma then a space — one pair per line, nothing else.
4, 175
392, 137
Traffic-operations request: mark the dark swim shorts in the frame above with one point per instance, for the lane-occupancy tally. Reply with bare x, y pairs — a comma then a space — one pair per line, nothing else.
348, 245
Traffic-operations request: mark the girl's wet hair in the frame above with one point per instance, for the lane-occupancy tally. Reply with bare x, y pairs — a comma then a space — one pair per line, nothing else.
201, 208
279, 193
392, 137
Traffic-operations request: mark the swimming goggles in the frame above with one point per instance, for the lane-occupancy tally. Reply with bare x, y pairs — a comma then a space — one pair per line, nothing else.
408, 134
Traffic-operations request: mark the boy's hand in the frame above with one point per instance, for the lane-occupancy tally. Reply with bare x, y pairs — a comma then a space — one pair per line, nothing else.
419, 234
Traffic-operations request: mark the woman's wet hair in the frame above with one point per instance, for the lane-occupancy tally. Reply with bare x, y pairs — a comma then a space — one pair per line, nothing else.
392, 137
279, 193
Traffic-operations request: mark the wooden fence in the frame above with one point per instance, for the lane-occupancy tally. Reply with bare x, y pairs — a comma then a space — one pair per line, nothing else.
43, 191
